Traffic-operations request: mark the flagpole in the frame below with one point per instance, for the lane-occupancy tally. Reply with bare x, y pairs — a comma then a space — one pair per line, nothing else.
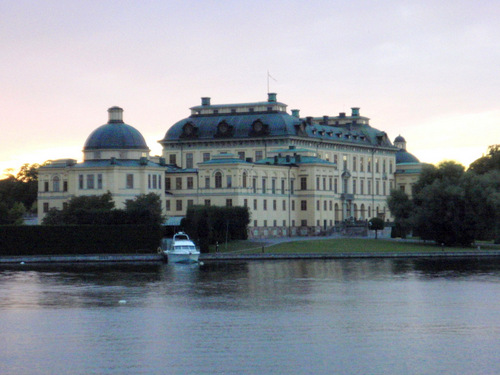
268, 81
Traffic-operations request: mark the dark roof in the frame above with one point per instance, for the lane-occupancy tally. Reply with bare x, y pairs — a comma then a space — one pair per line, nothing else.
115, 135
274, 124
403, 156
399, 138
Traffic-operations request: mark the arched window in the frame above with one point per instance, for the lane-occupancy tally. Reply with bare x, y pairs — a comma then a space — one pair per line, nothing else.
356, 212
55, 184
218, 180
337, 212
244, 179
369, 211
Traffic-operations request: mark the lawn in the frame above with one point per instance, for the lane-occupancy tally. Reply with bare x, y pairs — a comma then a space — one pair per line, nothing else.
339, 245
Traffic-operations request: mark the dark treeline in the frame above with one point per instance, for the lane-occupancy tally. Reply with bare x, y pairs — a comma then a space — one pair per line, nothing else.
18, 195
452, 206
208, 225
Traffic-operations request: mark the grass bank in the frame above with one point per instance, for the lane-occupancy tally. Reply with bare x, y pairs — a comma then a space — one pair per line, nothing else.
340, 245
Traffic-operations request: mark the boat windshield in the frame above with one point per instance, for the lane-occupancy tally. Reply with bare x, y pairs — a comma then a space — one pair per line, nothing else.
185, 247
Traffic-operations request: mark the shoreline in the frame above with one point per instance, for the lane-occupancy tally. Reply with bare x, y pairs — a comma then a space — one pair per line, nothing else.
226, 257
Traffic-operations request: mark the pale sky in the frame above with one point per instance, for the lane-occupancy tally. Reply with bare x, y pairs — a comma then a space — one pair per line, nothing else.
428, 70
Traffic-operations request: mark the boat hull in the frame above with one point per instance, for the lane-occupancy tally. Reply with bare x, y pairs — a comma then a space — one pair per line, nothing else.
173, 257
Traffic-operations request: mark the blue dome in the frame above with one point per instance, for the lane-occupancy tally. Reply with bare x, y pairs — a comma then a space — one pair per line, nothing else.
399, 138
115, 135
403, 156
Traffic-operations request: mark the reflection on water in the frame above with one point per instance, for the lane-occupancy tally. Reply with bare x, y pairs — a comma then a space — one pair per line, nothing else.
273, 317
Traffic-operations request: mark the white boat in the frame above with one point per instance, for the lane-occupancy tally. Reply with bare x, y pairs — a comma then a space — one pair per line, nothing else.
182, 250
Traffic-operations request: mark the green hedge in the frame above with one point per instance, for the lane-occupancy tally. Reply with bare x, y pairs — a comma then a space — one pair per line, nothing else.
78, 239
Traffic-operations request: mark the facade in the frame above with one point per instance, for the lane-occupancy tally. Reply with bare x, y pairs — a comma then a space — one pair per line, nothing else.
116, 159
297, 176
408, 167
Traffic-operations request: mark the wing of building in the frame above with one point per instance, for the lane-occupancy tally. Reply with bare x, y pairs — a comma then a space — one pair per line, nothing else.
297, 176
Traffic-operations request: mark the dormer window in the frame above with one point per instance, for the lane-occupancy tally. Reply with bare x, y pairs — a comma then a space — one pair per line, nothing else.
216, 111
250, 109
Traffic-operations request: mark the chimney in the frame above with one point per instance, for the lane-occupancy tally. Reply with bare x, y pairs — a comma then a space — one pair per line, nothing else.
271, 97
309, 120
325, 120
115, 115
205, 101
342, 114
295, 112
355, 111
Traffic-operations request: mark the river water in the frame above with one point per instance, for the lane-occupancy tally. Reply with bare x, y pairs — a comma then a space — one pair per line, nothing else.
257, 317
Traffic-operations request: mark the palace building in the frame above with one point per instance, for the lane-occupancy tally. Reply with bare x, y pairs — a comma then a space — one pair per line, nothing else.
297, 176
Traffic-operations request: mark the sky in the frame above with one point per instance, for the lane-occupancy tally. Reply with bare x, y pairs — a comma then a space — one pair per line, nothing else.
426, 70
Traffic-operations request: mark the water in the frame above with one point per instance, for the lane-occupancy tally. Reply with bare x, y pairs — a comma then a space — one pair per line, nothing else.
262, 317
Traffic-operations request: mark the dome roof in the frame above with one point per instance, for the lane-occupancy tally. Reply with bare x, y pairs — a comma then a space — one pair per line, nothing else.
403, 156
115, 134
399, 138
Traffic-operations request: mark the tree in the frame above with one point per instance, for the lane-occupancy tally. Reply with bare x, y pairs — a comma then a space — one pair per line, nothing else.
401, 208
145, 209
376, 224
487, 163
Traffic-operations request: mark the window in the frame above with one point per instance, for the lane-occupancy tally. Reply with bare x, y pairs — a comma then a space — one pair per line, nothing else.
65, 185
159, 181
229, 203
354, 166
168, 185
402, 188
229, 181
241, 155
344, 162
258, 155
178, 205
255, 223
190, 203
354, 182
335, 158
336, 186
303, 223
275, 205
369, 165
264, 204
303, 205
318, 206
377, 189
178, 183
362, 187
324, 183
303, 183
293, 205
207, 202
130, 181
218, 180
284, 205
190, 182
330, 185
80, 182
207, 182
45, 207
99, 181
55, 183
317, 183
324, 205
189, 160
255, 204
361, 164
390, 167
292, 187
265, 223
376, 165
273, 186
263, 185
90, 181
206, 156
369, 187
172, 159
167, 205
383, 166
244, 179
154, 181
384, 188
254, 185
245, 202
282, 186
